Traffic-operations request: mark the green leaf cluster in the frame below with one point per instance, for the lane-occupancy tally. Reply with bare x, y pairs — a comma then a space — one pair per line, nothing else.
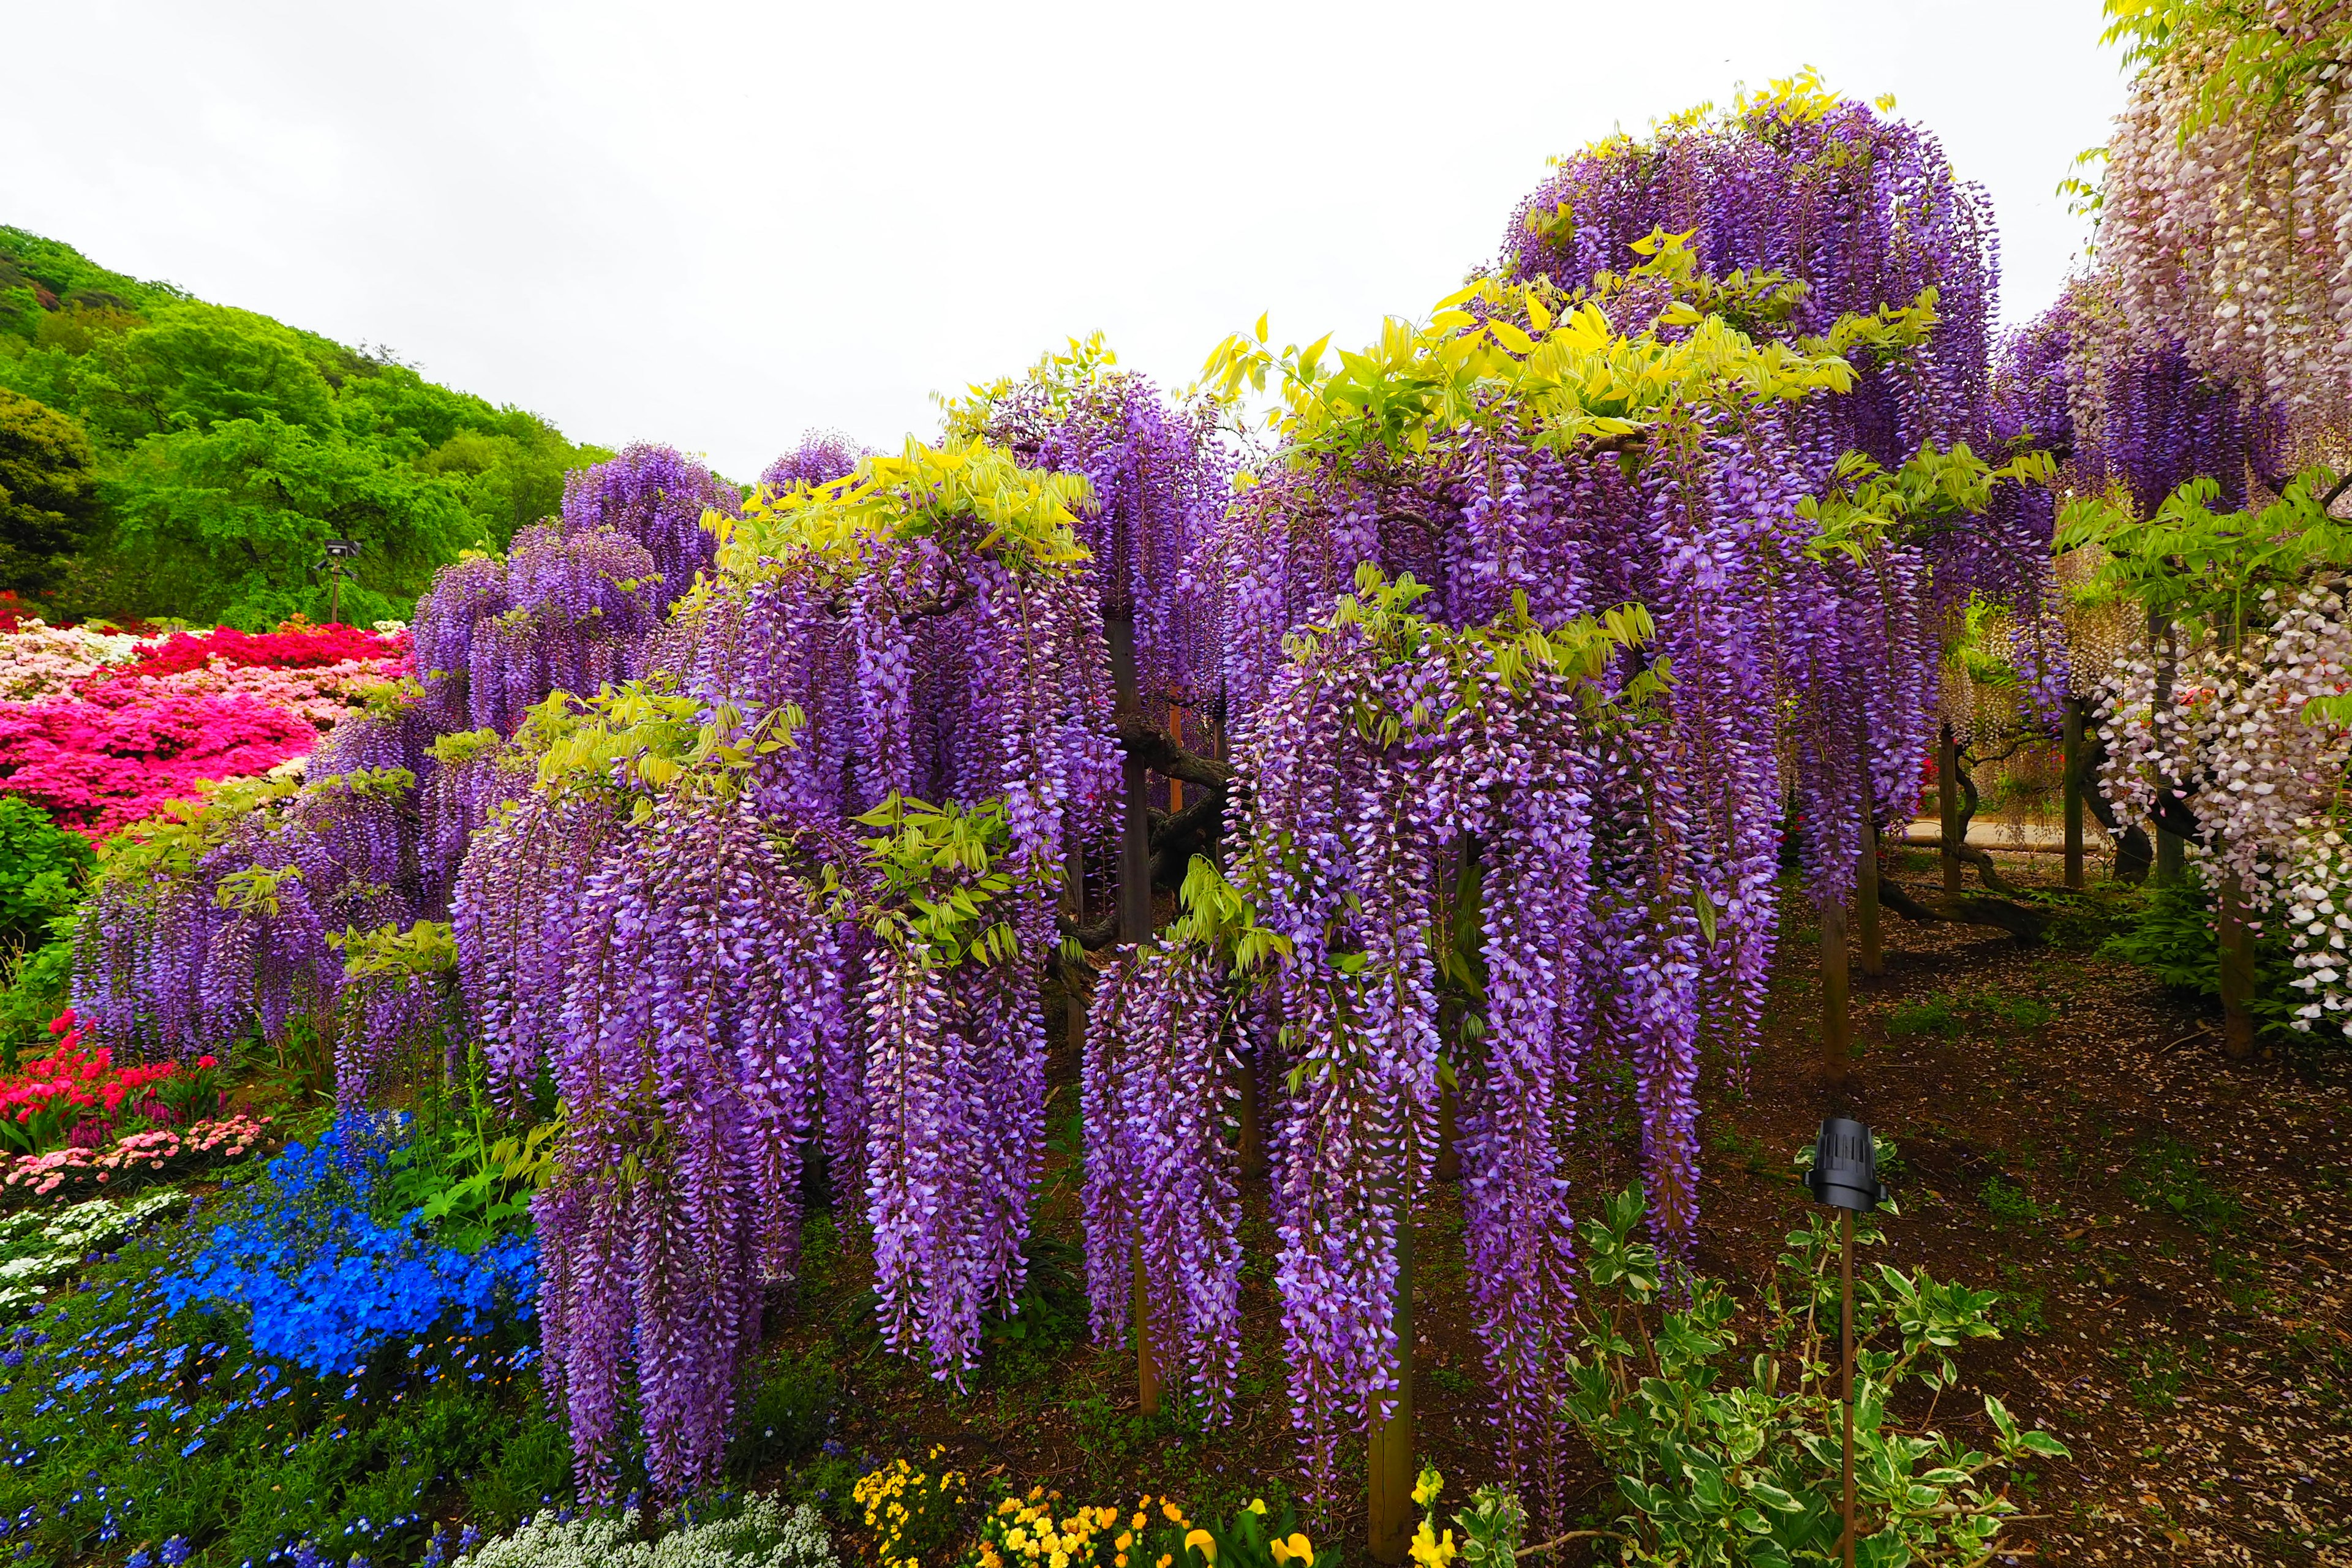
1496, 350
945, 879
2248, 56
1721, 1461
2201, 569
973, 497
1867, 509
42, 869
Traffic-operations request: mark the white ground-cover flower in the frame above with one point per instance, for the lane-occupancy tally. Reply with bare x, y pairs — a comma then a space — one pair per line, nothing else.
762, 1536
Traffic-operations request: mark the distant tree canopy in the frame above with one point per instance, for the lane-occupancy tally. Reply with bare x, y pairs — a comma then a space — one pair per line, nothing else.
164, 456
48, 492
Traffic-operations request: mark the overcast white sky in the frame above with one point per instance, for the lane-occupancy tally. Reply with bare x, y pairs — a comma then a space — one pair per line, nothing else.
720, 224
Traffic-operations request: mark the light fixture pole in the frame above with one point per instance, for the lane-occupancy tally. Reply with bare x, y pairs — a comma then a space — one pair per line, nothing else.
1845, 1176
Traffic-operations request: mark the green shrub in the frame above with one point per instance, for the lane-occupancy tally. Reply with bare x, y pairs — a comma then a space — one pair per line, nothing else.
1738, 1462
2171, 935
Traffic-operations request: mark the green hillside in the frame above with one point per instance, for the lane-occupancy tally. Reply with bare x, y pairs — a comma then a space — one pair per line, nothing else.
160, 454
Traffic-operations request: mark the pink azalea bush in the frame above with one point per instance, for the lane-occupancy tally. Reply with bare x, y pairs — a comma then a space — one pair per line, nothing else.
39, 661
156, 1154
102, 729
102, 761
321, 694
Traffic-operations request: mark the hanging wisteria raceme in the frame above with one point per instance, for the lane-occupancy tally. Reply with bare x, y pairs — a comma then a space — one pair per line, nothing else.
955, 1092
704, 968
592, 597
655, 498
1162, 1182
1554, 444
1393, 764
398, 1015
2225, 215
145, 977
517, 914
2145, 419
976, 675
1161, 480
456, 639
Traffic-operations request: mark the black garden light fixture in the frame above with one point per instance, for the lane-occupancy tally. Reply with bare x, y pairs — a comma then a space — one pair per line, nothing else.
1845, 1176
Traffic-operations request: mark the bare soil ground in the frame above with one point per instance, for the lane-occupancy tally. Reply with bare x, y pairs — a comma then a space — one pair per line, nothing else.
2171, 1233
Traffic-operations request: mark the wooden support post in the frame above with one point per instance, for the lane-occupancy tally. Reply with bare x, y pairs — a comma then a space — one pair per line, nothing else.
2236, 937
1175, 733
1390, 1450
1253, 1133
1947, 805
1837, 1038
2074, 792
1866, 879
2171, 859
1135, 822
1147, 1365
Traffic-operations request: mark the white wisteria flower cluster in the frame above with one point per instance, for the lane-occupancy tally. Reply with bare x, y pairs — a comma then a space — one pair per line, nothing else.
761, 1536
2231, 231
2267, 768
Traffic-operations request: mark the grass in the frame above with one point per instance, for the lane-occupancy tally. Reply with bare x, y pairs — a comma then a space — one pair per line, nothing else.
2168, 1177
2011, 1205
1950, 1013
2152, 1374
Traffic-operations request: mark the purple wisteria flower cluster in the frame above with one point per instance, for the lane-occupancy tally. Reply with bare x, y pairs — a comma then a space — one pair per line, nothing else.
1491, 714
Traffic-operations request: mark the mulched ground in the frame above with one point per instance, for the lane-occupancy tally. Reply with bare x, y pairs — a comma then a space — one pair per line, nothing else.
2172, 1233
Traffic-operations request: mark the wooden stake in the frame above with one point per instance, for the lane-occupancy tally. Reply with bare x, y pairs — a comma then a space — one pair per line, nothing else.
1176, 733
1135, 822
2073, 795
1845, 1323
1389, 1451
1837, 1038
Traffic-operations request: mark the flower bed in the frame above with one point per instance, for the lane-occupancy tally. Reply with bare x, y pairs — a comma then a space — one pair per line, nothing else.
102, 729
77, 1095
159, 1153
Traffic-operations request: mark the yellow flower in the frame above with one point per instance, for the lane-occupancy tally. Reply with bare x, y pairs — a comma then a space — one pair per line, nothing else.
1257, 1505
1175, 1515
1430, 1552
1425, 1491
1297, 1549
1017, 1539
1061, 1560
1137, 1521
1035, 1492
1119, 1560
1106, 1516
1203, 1541
1126, 1538
1007, 1506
